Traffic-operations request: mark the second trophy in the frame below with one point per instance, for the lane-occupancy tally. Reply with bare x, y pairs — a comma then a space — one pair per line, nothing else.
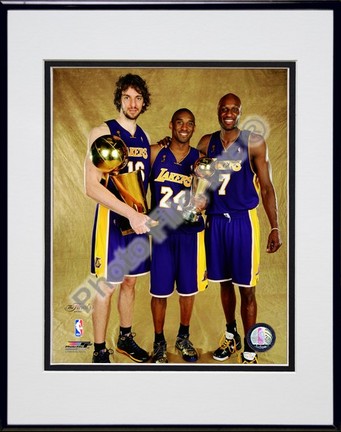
203, 169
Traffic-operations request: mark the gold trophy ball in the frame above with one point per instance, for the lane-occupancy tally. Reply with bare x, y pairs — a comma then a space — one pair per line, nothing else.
204, 167
109, 153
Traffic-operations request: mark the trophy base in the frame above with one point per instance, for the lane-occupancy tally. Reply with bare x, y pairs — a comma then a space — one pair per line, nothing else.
124, 226
191, 216
127, 231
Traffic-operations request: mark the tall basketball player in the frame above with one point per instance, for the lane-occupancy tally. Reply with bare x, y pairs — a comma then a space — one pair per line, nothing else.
131, 99
232, 228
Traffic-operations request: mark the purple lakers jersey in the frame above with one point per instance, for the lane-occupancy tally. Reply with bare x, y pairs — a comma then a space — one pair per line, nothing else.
107, 239
235, 185
171, 182
139, 149
139, 156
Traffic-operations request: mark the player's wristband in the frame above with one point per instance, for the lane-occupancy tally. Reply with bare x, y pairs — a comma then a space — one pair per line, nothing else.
273, 229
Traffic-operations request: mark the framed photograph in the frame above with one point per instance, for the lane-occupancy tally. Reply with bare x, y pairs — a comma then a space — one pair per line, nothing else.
62, 66
68, 347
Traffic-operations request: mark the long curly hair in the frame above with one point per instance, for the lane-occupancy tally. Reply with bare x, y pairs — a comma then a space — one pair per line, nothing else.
135, 81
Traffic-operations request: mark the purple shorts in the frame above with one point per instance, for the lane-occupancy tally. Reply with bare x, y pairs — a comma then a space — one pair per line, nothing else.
233, 248
179, 261
114, 256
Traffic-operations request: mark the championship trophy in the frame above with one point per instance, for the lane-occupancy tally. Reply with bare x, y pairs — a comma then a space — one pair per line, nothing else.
110, 155
131, 190
203, 169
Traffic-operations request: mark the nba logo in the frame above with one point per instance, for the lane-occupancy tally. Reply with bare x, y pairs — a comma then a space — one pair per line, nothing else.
79, 327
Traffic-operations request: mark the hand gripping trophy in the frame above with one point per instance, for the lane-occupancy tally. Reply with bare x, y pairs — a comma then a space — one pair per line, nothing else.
110, 155
203, 169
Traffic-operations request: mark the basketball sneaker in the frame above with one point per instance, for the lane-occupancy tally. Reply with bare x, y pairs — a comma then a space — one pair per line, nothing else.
185, 346
126, 345
160, 352
249, 357
102, 356
229, 344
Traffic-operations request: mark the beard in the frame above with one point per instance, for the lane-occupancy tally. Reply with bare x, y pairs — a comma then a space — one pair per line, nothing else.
131, 116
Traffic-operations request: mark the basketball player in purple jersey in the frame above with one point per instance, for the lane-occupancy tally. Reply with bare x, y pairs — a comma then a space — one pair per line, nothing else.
178, 260
232, 228
131, 99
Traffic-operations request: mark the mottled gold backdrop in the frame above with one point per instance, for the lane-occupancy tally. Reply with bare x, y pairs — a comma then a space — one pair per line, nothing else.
81, 99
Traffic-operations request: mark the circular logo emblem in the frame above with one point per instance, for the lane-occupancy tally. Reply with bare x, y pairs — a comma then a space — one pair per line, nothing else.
261, 337
256, 124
